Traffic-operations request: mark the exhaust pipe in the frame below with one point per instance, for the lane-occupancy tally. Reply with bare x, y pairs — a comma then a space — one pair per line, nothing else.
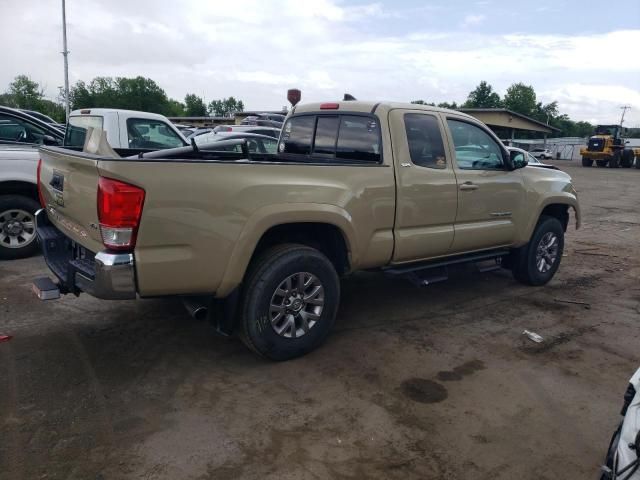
198, 307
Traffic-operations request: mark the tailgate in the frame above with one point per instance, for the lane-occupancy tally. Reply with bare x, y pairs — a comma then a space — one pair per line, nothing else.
69, 186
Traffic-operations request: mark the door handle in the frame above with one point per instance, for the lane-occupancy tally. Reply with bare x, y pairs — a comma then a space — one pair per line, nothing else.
468, 186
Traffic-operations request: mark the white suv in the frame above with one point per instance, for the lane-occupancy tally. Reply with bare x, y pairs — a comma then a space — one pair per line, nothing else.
542, 153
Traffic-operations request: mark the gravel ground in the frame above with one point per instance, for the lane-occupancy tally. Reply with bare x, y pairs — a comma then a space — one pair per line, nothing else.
413, 383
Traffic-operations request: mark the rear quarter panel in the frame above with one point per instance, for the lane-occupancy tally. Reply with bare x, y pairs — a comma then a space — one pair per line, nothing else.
18, 163
202, 220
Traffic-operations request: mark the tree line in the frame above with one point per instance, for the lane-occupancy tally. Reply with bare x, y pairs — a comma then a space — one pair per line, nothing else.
521, 98
137, 93
140, 93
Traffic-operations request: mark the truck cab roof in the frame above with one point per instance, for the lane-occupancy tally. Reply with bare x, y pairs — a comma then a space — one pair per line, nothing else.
370, 107
117, 111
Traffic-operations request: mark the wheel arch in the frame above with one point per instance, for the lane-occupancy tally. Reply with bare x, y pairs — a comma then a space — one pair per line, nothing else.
557, 207
19, 187
325, 227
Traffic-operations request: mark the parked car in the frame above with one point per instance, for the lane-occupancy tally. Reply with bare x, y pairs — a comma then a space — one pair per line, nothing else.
126, 129
186, 130
269, 131
265, 120
260, 242
623, 456
196, 132
543, 153
532, 161
261, 144
44, 118
20, 136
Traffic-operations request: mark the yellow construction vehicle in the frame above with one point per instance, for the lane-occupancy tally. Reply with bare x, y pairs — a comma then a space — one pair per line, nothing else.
607, 148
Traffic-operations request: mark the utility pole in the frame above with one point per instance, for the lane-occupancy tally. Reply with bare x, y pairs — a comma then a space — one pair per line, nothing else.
65, 54
624, 109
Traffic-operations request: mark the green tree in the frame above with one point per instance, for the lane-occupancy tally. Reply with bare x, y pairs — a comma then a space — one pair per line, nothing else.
451, 106
225, 107
483, 96
175, 108
194, 106
138, 93
422, 102
26, 93
521, 98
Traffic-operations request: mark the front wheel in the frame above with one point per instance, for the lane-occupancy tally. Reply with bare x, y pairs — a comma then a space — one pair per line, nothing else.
537, 262
17, 227
614, 161
587, 162
290, 301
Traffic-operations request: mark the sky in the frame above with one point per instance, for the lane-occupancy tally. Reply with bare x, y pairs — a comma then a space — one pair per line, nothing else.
576, 52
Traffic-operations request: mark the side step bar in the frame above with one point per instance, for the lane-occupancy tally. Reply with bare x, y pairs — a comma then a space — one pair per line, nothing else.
427, 273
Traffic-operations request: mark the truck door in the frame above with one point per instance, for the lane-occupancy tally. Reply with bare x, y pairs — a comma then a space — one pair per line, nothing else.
489, 196
427, 193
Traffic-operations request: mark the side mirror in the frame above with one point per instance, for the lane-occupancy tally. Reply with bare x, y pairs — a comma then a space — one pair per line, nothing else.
49, 140
626, 141
518, 159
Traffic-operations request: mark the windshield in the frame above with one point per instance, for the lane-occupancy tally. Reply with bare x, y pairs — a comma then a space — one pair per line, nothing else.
77, 129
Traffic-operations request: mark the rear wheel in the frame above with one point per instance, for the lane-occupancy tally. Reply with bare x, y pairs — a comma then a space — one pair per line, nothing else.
638, 162
627, 159
290, 301
587, 162
17, 227
537, 262
602, 163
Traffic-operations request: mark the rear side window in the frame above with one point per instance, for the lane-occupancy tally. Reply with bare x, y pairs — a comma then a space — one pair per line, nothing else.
425, 141
77, 129
337, 138
358, 139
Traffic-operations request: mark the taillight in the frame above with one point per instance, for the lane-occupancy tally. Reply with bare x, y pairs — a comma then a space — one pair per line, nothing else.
329, 106
40, 196
119, 210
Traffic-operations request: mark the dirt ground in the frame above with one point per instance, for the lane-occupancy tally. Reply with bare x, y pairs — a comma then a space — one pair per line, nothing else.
413, 383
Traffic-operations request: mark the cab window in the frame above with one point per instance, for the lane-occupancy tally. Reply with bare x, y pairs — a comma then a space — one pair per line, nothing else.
332, 138
425, 141
475, 149
146, 133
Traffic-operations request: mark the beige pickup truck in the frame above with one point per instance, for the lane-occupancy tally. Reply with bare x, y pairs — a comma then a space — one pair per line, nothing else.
258, 243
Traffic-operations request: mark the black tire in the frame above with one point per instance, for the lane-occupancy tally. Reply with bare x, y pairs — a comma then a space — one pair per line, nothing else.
266, 275
27, 244
587, 162
638, 163
614, 162
627, 159
602, 163
524, 259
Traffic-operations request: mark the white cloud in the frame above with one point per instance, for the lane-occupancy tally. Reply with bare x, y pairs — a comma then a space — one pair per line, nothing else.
472, 20
256, 50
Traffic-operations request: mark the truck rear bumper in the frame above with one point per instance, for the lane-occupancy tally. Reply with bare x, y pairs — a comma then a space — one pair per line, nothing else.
106, 275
